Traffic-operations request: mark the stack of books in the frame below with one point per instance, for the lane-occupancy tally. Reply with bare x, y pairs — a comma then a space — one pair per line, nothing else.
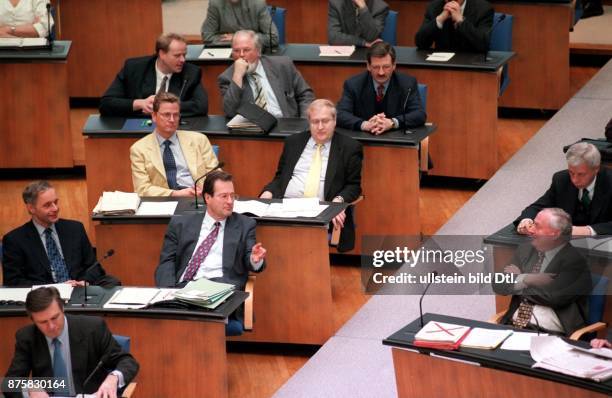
117, 204
440, 335
205, 293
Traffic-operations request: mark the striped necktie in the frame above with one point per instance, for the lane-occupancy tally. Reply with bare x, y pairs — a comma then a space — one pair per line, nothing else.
525, 309
260, 97
59, 270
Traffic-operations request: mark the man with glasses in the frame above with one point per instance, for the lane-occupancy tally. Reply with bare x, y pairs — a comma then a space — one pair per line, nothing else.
167, 162
322, 164
272, 83
380, 99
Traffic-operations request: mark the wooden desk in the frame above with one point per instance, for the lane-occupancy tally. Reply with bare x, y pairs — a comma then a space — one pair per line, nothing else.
105, 33
388, 208
167, 363
295, 286
477, 373
461, 98
35, 113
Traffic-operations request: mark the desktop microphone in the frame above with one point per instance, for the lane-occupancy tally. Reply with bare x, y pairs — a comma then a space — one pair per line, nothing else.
103, 362
49, 36
434, 273
195, 183
108, 254
272, 13
406, 131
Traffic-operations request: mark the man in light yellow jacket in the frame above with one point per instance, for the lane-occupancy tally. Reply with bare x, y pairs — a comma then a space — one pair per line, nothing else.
166, 162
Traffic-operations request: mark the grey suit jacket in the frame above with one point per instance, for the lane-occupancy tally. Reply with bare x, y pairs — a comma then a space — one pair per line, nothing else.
182, 237
346, 26
291, 90
223, 17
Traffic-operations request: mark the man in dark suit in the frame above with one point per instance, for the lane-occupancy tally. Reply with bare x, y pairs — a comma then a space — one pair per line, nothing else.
132, 92
456, 25
48, 249
356, 22
552, 280
218, 244
584, 190
323, 164
68, 347
380, 99
273, 83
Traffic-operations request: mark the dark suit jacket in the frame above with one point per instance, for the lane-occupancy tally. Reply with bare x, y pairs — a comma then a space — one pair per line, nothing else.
346, 27
567, 295
291, 90
182, 237
609, 130
562, 193
137, 81
402, 100
90, 340
472, 35
25, 261
342, 178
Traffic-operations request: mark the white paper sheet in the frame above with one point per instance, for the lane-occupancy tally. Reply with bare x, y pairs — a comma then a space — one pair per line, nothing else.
14, 293
440, 57
215, 53
336, 51
519, 341
65, 289
156, 208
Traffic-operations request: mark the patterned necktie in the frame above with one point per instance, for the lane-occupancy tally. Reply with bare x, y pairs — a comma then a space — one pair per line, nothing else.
170, 165
201, 252
59, 270
313, 180
380, 93
162, 86
585, 199
260, 98
525, 309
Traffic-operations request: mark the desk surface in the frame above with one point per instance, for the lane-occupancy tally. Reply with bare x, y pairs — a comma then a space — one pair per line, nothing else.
98, 126
406, 56
58, 52
512, 361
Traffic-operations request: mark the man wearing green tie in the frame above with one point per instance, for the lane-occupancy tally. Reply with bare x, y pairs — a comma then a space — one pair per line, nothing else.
323, 164
584, 191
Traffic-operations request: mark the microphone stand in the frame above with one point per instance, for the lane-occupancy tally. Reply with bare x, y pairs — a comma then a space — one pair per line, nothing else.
434, 273
108, 254
49, 35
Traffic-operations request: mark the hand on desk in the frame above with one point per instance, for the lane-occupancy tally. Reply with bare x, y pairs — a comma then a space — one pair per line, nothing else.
454, 11
266, 195
74, 283
108, 388
581, 231
258, 253
144, 105
186, 192
600, 343
378, 124
369, 44
38, 394
512, 269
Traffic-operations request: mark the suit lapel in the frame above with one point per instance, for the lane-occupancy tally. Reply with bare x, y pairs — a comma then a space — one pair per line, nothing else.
192, 232
66, 244
38, 249
149, 81
42, 356
275, 83
154, 153
189, 153
78, 357
334, 156
231, 237
601, 196
368, 99
176, 84
395, 98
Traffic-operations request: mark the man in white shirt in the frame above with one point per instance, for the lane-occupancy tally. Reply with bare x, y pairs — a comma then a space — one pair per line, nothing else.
273, 83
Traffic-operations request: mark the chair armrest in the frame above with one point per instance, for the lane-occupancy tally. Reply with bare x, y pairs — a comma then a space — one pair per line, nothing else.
597, 326
335, 235
497, 317
248, 303
129, 390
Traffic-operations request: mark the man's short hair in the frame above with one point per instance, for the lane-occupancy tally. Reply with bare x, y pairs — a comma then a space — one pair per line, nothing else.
251, 33
560, 220
164, 96
40, 299
379, 50
321, 103
31, 191
164, 40
214, 176
583, 152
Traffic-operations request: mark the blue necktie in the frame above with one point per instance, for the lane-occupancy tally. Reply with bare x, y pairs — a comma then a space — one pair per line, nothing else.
60, 371
58, 265
170, 165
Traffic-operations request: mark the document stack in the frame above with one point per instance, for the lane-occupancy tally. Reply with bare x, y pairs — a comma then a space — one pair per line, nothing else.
205, 293
117, 204
440, 335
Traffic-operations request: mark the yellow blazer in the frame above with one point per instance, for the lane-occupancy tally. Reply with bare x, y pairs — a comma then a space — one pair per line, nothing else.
148, 173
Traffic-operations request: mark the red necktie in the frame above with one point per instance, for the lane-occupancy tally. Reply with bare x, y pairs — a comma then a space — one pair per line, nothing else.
380, 92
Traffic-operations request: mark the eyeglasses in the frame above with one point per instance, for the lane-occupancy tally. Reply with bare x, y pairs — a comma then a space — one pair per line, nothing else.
316, 122
170, 116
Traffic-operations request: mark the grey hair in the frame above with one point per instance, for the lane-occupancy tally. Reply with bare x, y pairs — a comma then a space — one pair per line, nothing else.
321, 103
31, 191
583, 152
253, 35
560, 220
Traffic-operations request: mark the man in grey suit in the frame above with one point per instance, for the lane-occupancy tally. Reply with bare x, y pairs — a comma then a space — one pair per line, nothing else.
272, 83
225, 17
217, 244
356, 22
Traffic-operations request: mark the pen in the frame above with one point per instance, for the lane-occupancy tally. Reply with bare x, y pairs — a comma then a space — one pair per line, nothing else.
211, 54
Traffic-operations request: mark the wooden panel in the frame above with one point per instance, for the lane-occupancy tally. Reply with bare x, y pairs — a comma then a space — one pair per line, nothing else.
410, 18
306, 20
419, 375
35, 116
104, 34
167, 365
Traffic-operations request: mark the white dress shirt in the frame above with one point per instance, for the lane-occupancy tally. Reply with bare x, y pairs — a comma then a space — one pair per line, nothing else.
591, 189
183, 175
159, 76
295, 188
24, 13
271, 100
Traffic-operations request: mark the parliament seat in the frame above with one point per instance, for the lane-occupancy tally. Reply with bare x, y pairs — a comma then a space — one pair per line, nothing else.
278, 17
501, 40
389, 33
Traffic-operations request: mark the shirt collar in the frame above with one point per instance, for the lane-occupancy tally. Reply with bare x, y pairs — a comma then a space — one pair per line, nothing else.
591, 187
63, 337
386, 85
173, 138
209, 222
259, 70
312, 143
41, 230
160, 73
463, 7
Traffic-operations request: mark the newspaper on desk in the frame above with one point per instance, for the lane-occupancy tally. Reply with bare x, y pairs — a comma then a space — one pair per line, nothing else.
117, 204
288, 208
552, 353
23, 42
